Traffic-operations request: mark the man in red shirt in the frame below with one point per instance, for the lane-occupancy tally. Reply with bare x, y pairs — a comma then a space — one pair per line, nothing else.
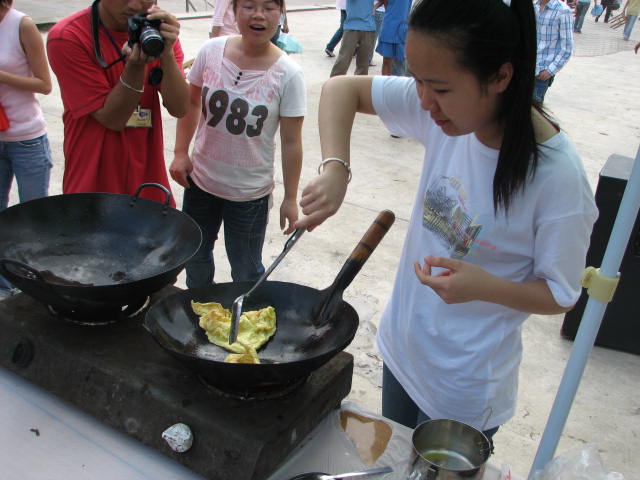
112, 121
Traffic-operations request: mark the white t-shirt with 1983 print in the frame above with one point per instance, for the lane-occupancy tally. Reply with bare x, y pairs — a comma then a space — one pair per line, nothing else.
233, 153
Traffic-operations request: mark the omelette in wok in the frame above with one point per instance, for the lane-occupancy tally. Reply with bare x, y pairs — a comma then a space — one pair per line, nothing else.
255, 329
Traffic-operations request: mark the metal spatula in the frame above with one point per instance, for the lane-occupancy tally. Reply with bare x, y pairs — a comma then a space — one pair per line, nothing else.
324, 476
236, 309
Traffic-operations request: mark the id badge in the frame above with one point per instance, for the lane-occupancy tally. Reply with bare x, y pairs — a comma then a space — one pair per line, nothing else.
141, 117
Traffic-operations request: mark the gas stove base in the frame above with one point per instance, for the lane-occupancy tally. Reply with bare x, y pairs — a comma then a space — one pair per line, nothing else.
119, 375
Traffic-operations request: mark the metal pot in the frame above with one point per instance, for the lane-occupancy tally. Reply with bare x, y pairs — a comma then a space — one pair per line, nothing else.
448, 450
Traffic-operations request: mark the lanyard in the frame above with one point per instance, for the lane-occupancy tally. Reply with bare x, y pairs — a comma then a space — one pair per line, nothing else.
95, 30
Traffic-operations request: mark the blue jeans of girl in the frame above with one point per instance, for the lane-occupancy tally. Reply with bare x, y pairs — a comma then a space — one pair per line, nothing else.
398, 406
245, 224
29, 161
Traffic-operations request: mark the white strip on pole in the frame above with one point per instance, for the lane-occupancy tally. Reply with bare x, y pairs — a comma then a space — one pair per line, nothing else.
590, 322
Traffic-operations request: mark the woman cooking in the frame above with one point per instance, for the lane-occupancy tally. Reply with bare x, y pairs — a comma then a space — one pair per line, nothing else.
502, 216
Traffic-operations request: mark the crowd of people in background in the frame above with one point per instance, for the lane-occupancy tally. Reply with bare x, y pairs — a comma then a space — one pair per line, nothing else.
494, 165
111, 94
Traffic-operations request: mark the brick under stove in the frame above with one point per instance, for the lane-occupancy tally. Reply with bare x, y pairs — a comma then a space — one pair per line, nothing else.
118, 374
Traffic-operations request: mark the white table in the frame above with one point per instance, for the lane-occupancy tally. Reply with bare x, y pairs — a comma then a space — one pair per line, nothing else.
44, 438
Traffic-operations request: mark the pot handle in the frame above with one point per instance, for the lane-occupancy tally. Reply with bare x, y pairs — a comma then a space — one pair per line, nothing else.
167, 193
27, 271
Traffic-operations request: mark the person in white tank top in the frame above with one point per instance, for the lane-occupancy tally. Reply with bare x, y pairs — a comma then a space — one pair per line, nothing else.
24, 147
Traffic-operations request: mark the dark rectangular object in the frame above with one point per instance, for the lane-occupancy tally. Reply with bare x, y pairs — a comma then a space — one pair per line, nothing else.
620, 328
119, 375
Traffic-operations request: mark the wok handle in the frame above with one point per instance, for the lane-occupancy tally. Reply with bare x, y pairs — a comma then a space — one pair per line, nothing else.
31, 273
167, 193
331, 297
373, 236
361, 253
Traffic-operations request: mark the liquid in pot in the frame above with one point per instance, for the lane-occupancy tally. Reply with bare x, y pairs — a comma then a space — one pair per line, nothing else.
447, 459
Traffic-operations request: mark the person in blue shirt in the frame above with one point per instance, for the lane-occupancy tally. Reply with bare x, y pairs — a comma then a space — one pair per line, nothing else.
392, 37
359, 33
555, 42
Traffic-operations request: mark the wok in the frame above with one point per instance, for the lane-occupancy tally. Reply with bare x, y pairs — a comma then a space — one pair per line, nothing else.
94, 253
301, 344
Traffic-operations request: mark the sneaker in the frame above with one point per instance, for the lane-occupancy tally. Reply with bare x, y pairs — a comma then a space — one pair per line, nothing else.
329, 52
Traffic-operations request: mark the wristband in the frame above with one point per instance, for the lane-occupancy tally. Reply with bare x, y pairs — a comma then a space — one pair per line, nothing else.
126, 85
342, 162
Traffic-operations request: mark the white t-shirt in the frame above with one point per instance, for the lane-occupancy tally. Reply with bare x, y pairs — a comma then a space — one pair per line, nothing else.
234, 146
457, 360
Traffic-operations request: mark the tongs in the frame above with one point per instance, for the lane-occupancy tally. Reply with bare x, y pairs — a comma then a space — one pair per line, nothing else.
236, 309
324, 476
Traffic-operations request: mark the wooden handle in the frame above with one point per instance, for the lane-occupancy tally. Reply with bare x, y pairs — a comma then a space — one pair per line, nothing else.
373, 236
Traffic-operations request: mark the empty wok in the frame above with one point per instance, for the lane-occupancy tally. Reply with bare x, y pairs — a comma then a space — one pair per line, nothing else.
302, 343
95, 252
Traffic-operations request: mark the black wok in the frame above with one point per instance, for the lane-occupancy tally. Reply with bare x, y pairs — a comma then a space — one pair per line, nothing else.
94, 252
302, 342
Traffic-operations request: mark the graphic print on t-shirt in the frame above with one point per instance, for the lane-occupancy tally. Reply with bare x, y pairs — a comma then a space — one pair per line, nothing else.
445, 214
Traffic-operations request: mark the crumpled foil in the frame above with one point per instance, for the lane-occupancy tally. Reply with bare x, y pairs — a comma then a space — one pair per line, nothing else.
179, 437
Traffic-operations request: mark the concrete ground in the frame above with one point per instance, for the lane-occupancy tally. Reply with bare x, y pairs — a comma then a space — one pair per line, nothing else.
595, 98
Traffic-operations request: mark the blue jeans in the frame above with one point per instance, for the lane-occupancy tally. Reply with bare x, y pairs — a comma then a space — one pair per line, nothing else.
540, 89
338, 35
29, 161
398, 406
631, 21
245, 224
581, 11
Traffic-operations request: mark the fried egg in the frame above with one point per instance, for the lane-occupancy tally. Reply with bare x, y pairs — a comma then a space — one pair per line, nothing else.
254, 330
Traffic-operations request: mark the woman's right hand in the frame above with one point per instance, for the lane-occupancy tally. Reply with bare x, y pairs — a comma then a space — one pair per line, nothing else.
180, 168
322, 196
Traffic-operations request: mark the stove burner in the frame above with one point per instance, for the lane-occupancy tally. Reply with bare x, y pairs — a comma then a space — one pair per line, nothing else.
103, 317
265, 393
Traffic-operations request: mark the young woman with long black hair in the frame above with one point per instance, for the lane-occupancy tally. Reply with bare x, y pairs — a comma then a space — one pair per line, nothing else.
502, 216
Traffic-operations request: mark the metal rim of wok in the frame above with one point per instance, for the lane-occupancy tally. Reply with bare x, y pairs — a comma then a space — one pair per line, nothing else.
95, 252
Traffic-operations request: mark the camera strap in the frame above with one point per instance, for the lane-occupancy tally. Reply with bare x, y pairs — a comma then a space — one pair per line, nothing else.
95, 31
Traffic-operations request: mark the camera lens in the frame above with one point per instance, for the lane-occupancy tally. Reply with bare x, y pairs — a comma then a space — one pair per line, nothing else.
151, 42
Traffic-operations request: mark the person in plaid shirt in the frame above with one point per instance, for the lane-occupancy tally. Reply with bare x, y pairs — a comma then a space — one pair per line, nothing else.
555, 42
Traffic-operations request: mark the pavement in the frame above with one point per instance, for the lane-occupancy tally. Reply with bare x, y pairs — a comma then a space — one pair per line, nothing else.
595, 98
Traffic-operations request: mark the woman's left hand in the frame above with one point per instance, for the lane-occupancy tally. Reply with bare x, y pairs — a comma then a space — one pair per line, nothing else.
288, 213
459, 282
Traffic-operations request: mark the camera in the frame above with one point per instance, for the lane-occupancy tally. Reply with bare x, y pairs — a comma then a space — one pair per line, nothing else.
146, 33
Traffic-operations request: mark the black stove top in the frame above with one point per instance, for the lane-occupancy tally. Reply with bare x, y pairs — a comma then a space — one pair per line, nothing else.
118, 374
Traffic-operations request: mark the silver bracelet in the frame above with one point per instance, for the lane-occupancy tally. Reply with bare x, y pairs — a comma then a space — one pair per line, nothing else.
339, 160
125, 84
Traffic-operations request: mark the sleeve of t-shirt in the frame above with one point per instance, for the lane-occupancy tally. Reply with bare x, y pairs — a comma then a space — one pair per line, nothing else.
217, 19
562, 232
396, 102
83, 83
196, 72
293, 102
